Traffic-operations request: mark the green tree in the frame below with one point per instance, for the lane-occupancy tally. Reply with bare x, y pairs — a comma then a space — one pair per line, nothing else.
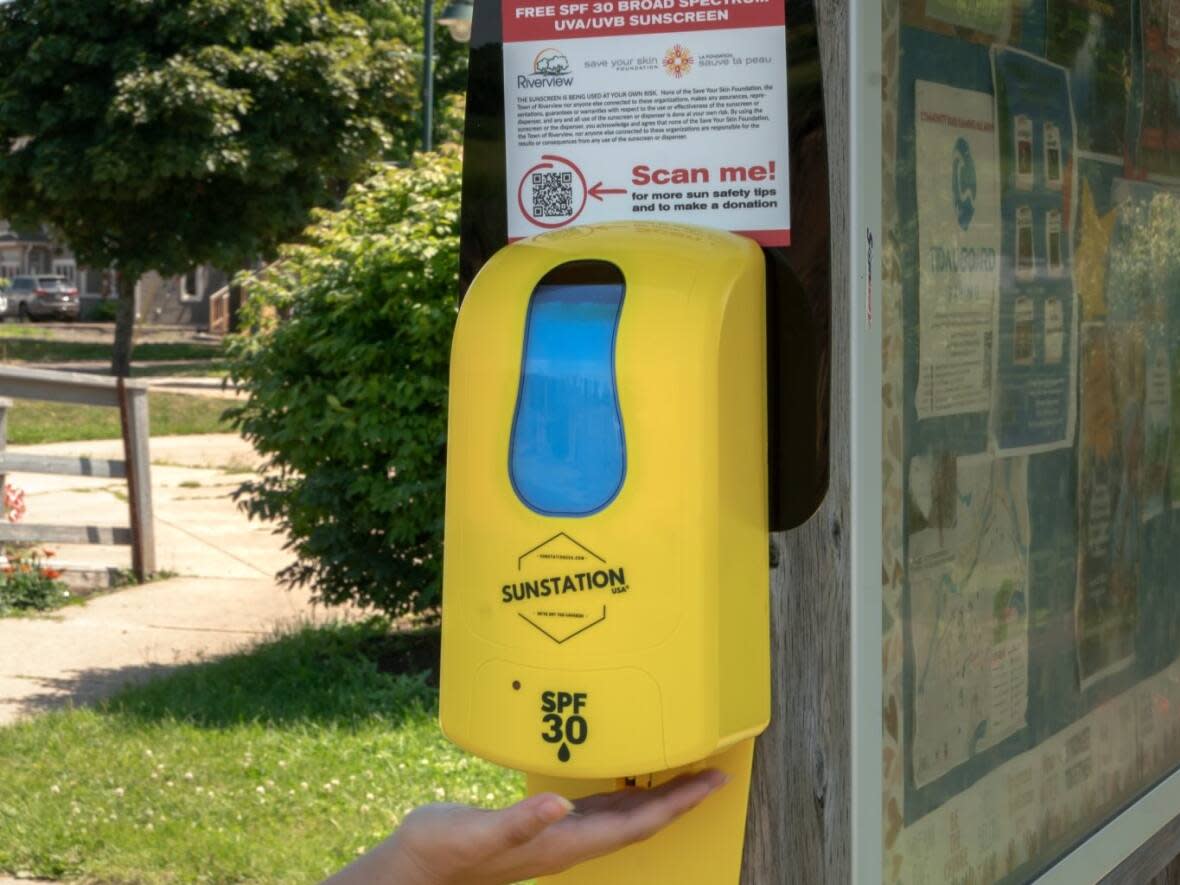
345, 365
163, 134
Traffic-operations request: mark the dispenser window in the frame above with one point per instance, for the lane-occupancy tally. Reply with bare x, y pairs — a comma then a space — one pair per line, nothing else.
568, 453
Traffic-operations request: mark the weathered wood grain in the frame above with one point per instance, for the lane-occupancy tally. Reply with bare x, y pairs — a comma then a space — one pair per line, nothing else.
1155, 861
799, 825
31, 533
61, 387
62, 465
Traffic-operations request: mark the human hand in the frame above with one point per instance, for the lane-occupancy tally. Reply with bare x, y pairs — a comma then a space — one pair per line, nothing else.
541, 835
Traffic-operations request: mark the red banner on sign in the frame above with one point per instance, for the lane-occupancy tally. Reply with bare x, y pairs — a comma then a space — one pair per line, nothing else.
532, 20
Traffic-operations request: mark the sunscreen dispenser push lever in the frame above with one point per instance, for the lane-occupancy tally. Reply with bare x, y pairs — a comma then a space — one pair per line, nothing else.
606, 577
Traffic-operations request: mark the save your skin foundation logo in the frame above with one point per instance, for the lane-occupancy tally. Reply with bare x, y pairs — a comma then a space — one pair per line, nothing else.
678, 61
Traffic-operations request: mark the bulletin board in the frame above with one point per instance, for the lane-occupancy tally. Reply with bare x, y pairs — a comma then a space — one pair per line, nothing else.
1030, 334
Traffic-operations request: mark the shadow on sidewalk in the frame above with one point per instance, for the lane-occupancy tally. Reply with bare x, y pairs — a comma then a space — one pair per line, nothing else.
84, 687
340, 674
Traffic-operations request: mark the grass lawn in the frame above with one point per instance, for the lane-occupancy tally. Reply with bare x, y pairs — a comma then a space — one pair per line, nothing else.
279, 765
171, 414
26, 347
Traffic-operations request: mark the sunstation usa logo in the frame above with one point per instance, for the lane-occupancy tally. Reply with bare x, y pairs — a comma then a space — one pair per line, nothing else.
550, 68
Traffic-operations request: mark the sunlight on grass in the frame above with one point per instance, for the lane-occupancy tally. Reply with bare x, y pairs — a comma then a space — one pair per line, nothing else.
23, 344
279, 765
31, 422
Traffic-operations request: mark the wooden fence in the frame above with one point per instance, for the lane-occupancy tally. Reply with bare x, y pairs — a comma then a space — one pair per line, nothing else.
131, 399
219, 312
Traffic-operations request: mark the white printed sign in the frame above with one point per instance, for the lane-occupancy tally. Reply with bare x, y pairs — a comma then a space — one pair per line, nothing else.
670, 110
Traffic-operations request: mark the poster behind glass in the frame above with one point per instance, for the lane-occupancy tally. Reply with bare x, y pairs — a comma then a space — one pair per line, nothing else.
1032, 427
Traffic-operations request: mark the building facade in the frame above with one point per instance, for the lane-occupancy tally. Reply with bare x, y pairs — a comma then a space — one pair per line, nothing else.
159, 300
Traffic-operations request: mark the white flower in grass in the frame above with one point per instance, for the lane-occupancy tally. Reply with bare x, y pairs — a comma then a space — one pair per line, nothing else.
364, 809
370, 796
335, 781
260, 790
360, 850
303, 785
119, 791
148, 826
188, 775
440, 792
148, 752
55, 789
327, 788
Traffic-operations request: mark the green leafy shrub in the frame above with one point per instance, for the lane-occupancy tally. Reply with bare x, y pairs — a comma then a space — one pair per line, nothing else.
345, 367
105, 310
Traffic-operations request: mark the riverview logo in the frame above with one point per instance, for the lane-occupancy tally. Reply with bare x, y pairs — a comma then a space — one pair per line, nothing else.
550, 68
963, 183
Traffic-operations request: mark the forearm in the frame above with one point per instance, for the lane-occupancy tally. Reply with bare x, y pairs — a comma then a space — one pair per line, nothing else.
387, 864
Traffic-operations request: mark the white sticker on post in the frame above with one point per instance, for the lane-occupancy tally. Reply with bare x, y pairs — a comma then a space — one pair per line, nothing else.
670, 110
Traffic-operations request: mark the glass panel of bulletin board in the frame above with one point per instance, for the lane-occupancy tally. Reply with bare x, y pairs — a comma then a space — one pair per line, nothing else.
1031, 438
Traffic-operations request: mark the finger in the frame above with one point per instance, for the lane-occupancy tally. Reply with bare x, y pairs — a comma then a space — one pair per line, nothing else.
521, 823
624, 799
652, 810
646, 813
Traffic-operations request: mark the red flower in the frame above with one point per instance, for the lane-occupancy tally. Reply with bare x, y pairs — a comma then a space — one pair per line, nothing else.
14, 503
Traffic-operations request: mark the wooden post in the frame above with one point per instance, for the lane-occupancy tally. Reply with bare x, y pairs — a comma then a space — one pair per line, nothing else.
133, 408
799, 824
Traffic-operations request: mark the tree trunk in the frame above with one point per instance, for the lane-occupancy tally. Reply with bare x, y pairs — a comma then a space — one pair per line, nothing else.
124, 324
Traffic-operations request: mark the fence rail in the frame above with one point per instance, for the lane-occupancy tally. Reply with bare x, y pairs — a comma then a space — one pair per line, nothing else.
131, 399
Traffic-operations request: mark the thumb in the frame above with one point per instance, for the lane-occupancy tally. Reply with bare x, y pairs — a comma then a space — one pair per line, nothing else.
521, 823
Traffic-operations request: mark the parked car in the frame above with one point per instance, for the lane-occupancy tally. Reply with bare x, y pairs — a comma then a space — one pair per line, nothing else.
41, 297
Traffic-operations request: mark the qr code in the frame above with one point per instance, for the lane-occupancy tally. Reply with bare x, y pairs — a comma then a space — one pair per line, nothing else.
553, 194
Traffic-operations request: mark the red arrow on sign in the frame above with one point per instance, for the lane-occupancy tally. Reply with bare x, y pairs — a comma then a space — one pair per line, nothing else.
598, 190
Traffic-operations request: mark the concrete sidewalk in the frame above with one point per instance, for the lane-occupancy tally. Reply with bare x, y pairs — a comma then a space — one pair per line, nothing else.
223, 596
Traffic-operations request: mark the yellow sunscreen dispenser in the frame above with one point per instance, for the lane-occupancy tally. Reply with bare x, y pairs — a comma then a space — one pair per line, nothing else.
605, 580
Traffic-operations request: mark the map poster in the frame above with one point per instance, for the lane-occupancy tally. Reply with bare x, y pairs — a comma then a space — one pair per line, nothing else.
968, 570
1093, 40
1106, 603
656, 110
958, 241
1033, 408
